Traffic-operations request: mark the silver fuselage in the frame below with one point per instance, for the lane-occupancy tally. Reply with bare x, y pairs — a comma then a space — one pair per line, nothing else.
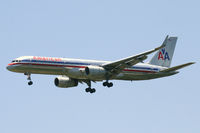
73, 68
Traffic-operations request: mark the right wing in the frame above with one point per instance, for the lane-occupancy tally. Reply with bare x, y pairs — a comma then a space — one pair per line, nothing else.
116, 67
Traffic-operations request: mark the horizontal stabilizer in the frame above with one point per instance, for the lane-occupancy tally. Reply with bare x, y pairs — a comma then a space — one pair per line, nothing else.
177, 67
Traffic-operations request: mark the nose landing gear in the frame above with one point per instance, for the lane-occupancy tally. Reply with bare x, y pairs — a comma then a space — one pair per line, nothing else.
29, 78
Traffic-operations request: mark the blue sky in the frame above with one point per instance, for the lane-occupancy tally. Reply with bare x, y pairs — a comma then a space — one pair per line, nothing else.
103, 30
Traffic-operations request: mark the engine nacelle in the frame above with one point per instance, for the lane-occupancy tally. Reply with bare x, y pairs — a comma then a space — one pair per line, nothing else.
95, 72
65, 82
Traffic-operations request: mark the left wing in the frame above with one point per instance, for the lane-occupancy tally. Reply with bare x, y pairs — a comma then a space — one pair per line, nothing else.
116, 67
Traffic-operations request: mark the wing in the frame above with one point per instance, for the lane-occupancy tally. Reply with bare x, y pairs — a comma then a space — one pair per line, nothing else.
116, 67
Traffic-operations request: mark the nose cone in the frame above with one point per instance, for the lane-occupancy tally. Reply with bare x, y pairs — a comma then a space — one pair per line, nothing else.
10, 67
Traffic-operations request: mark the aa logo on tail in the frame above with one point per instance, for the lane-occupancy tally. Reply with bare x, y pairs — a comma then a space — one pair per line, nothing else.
163, 55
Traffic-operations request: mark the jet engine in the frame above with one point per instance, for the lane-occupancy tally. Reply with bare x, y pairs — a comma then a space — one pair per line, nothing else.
65, 82
95, 72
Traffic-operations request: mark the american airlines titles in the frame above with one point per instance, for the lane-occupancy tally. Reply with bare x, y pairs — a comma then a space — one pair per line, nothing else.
46, 58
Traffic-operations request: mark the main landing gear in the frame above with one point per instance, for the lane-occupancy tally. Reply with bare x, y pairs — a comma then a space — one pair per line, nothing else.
92, 90
108, 84
29, 78
89, 89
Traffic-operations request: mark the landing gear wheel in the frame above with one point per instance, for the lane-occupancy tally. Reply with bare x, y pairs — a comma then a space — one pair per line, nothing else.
87, 90
92, 90
108, 84
105, 83
30, 83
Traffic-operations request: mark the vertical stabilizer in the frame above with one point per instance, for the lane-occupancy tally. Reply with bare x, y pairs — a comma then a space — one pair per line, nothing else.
164, 56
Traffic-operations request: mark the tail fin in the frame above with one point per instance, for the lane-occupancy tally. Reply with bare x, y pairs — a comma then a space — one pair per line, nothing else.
164, 56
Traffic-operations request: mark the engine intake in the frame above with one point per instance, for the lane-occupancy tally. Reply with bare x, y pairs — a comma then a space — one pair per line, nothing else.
65, 82
95, 72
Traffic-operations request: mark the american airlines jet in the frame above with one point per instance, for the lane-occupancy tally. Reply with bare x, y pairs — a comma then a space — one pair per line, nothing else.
74, 71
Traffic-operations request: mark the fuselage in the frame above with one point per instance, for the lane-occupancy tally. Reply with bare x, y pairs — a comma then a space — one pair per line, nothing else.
74, 68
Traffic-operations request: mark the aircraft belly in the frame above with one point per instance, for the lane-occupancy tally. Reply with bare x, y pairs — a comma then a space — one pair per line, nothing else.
35, 69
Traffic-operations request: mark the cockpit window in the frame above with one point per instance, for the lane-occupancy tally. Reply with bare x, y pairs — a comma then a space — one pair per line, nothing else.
16, 61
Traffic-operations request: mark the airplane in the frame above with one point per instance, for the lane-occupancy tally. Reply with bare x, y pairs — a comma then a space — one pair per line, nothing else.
74, 71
